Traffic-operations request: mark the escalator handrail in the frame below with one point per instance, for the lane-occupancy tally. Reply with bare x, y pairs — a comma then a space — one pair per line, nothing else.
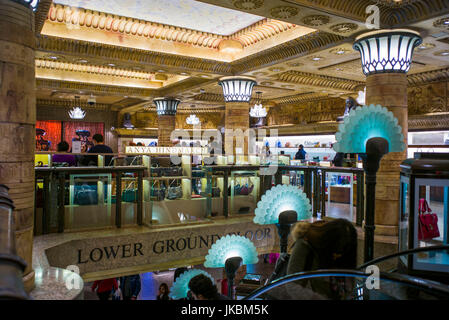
401, 253
401, 278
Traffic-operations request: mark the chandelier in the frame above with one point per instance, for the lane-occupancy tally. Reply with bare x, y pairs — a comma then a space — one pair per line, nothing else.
76, 112
193, 120
258, 111
166, 106
237, 89
387, 51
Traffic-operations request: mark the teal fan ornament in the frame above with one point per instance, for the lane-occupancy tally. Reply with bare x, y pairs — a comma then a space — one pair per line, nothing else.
364, 123
279, 199
180, 288
231, 246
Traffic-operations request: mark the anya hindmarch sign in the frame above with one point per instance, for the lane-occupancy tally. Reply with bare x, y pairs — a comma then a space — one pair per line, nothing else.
158, 247
166, 150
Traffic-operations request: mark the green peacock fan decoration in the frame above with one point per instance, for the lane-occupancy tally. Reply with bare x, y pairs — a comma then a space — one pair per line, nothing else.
364, 123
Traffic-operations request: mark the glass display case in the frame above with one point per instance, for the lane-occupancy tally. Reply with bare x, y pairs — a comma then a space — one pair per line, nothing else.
423, 214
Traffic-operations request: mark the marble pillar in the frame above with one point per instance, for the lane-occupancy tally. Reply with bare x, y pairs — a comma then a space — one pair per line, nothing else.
390, 91
17, 122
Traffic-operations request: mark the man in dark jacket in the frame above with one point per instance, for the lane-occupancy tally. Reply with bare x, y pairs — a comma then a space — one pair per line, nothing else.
130, 287
301, 154
99, 147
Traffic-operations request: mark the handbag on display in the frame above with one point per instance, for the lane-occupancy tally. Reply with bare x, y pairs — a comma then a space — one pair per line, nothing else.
86, 195
172, 172
174, 193
157, 194
427, 222
237, 189
216, 192
129, 195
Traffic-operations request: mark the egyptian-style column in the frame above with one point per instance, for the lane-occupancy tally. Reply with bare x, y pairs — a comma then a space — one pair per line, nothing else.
166, 112
386, 58
18, 120
237, 93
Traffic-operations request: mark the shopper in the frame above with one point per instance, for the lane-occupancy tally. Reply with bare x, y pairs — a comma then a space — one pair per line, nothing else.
324, 245
70, 159
163, 292
338, 159
203, 288
104, 288
130, 287
301, 154
99, 147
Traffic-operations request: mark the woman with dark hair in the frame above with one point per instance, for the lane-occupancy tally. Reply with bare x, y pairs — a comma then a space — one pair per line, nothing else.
63, 146
163, 292
324, 245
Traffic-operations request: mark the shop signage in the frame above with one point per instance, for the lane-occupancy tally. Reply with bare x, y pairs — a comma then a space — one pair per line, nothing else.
154, 247
167, 150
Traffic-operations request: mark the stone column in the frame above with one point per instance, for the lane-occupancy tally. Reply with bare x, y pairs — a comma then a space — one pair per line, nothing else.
17, 121
390, 91
166, 125
237, 91
166, 111
236, 117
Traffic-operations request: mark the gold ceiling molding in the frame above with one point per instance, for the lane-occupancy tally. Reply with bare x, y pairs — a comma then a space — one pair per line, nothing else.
98, 20
428, 122
298, 98
188, 110
76, 17
311, 79
416, 11
429, 76
313, 41
41, 14
71, 104
210, 97
99, 89
131, 56
261, 30
103, 70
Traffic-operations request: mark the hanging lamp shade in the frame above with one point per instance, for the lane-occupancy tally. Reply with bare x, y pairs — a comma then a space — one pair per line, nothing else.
387, 51
364, 123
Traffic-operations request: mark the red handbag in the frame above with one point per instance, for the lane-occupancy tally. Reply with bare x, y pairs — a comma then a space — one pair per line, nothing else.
427, 222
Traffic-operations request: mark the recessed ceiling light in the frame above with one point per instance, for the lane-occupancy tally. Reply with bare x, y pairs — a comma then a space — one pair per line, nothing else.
54, 57
339, 69
82, 61
446, 53
111, 64
184, 74
316, 58
160, 70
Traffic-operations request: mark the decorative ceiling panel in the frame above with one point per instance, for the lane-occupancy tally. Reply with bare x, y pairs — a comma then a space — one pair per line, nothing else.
181, 13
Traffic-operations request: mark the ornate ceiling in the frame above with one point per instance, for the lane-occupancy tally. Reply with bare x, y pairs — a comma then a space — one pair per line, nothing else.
128, 52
